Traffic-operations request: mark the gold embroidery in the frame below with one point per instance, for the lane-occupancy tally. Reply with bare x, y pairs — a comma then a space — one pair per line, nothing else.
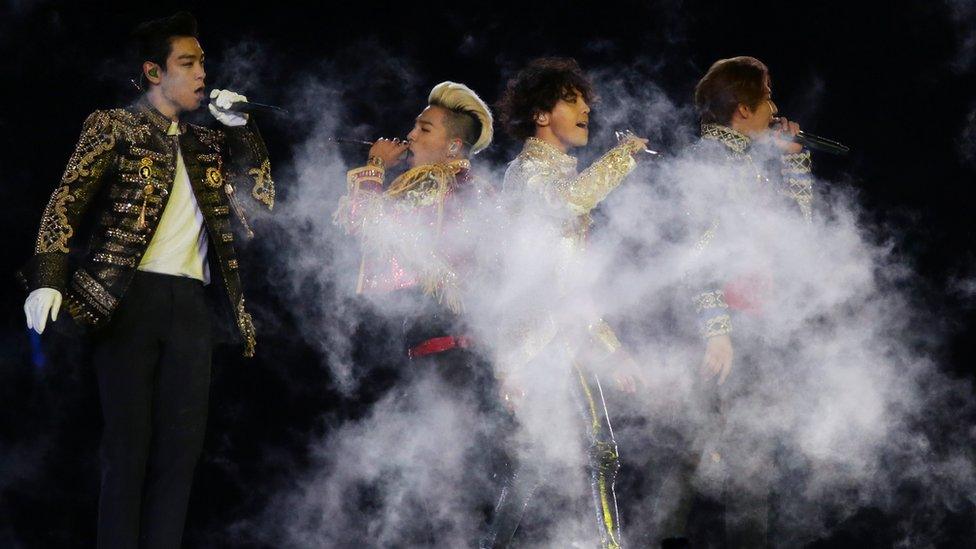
246, 325
263, 190
124, 236
716, 326
711, 300
214, 178
55, 229
113, 259
732, 139
95, 293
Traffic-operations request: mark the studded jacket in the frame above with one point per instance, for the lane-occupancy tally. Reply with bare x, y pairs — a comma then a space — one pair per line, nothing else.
546, 181
417, 232
715, 297
118, 180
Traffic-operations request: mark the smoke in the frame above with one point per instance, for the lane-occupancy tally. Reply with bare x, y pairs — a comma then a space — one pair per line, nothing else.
833, 400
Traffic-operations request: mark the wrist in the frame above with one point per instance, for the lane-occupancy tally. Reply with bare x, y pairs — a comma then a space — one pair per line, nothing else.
376, 161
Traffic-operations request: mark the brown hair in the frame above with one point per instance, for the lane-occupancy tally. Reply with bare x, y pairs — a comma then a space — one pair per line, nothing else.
537, 88
728, 83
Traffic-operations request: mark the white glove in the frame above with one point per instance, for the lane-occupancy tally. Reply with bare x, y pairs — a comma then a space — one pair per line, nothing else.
220, 101
39, 304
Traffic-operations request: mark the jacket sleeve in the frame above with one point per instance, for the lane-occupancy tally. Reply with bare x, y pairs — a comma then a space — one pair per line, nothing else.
93, 156
584, 192
248, 164
798, 181
706, 288
363, 201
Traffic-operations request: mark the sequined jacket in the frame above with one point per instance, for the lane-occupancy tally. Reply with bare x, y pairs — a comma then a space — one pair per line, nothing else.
119, 177
416, 231
544, 179
716, 297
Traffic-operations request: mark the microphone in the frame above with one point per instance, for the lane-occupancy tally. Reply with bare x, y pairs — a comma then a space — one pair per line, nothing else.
247, 107
817, 143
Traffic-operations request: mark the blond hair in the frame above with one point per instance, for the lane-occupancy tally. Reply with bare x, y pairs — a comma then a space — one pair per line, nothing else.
467, 108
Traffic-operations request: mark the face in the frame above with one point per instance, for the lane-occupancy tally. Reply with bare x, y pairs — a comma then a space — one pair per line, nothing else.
757, 121
182, 83
569, 120
430, 140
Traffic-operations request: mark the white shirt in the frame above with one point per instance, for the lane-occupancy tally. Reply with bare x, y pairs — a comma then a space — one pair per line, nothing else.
179, 246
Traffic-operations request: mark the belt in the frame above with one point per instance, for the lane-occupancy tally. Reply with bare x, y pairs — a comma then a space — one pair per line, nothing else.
436, 345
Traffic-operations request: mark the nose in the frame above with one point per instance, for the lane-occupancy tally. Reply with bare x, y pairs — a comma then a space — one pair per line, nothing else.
585, 107
412, 135
772, 107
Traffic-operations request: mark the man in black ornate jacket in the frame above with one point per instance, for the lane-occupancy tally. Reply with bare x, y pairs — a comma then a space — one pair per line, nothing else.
751, 167
158, 194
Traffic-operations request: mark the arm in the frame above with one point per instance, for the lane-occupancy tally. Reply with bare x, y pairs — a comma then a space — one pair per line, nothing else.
363, 199
246, 157
248, 164
582, 193
93, 156
798, 180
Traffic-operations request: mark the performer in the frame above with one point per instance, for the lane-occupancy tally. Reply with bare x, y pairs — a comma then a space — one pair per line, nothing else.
419, 249
734, 101
158, 192
547, 106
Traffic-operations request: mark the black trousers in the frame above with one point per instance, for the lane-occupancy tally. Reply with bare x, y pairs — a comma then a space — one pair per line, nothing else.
153, 367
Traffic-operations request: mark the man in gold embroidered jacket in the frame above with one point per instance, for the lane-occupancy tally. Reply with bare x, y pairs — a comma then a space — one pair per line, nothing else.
738, 119
546, 105
157, 193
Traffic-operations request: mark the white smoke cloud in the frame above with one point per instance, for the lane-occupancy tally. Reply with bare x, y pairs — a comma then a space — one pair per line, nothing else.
830, 395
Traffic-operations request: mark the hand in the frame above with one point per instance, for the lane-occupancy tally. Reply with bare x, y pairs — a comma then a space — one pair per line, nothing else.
40, 303
389, 151
635, 144
220, 101
718, 358
511, 393
782, 132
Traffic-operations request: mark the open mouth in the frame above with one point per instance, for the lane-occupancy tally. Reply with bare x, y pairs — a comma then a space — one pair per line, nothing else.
582, 125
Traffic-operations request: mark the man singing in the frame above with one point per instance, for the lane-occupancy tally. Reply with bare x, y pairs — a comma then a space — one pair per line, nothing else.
547, 106
731, 283
158, 193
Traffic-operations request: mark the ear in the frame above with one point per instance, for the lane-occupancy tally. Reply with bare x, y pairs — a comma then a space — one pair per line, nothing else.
455, 146
541, 119
152, 72
744, 111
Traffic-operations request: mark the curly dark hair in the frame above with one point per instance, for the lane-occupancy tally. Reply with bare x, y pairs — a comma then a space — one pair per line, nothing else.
537, 88
728, 83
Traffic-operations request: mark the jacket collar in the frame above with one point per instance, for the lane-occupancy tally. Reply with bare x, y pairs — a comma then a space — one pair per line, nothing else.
538, 148
737, 141
156, 118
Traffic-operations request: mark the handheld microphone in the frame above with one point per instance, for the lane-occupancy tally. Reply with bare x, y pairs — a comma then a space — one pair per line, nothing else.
817, 143
247, 107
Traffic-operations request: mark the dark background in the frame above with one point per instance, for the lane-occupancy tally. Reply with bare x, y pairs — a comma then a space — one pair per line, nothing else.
893, 80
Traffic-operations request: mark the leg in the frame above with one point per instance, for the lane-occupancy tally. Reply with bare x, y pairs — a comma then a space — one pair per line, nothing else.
179, 417
125, 358
603, 458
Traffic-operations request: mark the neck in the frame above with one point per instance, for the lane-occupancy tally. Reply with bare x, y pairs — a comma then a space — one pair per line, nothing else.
742, 127
165, 107
544, 133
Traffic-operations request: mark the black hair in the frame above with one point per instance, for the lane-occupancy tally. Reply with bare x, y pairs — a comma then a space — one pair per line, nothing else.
153, 40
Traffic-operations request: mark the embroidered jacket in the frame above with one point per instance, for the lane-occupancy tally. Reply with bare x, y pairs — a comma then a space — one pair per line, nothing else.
414, 232
731, 149
120, 176
544, 177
